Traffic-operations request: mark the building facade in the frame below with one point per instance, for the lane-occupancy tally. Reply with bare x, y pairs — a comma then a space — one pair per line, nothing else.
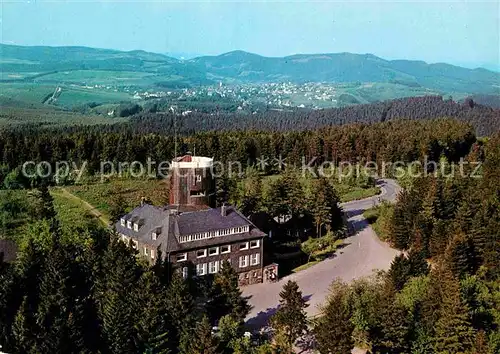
194, 237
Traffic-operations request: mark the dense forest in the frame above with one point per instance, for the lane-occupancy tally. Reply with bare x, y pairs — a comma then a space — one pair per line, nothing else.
404, 141
84, 291
442, 294
81, 290
486, 120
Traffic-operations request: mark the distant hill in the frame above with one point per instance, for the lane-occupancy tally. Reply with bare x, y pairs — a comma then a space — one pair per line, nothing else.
485, 120
348, 67
243, 67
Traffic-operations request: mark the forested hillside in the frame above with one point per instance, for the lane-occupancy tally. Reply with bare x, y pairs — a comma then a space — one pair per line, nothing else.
486, 120
401, 140
442, 295
243, 67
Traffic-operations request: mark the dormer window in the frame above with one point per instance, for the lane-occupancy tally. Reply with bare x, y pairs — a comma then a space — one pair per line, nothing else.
129, 224
154, 236
122, 222
136, 226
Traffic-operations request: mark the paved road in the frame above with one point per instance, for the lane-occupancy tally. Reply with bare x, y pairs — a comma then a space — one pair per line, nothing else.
363, 254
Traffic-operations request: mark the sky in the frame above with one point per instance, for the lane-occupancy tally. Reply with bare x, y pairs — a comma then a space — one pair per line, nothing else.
458, 32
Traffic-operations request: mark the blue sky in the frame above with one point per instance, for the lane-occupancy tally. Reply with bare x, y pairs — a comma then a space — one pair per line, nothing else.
457, 32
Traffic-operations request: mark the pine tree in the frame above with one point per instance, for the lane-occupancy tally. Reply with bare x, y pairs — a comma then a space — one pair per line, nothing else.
404, 218
460, 255
418, 264
333, 330
117, 206
46, 206
290, 320
226, 296
60, 315
201, 341
29, 267
392, 334
179, 306
114, 288
454, 332
403, 267
152, 324
9, 302
399, 273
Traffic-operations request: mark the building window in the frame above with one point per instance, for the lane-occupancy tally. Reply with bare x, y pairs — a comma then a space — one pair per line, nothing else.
225, 249
122, 221
201, 253
243, 246
201, 269
255, 259
135, 244
184, 272
214, 251
243, 261
181, 257
154, 236
145, 251
129, 224
213, 267
254, 244
136, 227
198, 178
152, 254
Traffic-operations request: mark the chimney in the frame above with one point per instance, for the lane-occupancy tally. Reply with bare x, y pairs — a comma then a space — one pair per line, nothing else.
223, 210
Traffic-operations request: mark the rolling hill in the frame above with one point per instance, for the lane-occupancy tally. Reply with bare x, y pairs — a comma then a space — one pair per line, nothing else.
348, 67
138, 69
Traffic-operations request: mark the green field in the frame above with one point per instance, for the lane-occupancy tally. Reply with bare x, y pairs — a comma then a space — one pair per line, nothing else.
25, 92
76, 96
100, 195
100, 77
15, 116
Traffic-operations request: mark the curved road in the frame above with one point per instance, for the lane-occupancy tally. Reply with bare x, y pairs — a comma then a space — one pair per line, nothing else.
363, 254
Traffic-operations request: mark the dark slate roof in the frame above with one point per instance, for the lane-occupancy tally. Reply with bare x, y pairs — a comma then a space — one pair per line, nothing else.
210, 220
8, 250
174, 224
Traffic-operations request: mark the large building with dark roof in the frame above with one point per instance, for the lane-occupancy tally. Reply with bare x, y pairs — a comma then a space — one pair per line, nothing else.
193, 237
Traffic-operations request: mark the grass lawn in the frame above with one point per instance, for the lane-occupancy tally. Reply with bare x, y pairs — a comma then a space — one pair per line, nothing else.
348, 193
305, 266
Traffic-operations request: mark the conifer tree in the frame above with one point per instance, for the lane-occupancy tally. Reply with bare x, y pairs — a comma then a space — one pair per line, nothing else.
333, 330
179, 306
392, 334
201, 340
9, 302
460, 255
117, 206
61, 314
152, 324
454, 332
115, 284
226, 296
399, 272
290, 320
